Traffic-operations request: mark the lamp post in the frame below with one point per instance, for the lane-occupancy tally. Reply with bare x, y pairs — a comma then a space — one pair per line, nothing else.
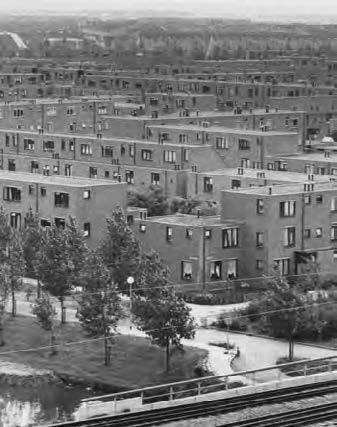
130, 281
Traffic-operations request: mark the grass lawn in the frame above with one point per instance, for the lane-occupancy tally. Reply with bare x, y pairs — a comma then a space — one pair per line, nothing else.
135, 362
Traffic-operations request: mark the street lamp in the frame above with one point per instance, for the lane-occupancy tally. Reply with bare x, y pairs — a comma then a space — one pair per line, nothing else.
130, 281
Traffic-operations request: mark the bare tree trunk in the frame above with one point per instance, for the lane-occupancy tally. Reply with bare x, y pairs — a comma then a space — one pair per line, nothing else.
168, 356
2, 314
291, 349
13, 300
53, 351
63, 311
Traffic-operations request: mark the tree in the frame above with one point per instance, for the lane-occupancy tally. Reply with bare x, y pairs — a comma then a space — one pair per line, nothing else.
287, 309
45, 313
154, 274
185, 206
16, 265
32, 236
99, 308
153, 199
165, 317
61, 256
5, 286
120, 250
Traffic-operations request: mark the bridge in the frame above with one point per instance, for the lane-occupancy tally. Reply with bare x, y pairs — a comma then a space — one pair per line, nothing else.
218, 394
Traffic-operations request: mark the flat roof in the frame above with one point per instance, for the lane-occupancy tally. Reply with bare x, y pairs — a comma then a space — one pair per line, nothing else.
268, 174
69, 181
192, 220
313, 156
287, 189
223, 129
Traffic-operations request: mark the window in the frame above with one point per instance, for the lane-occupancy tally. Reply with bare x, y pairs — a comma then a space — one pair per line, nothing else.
107, 151
307, 199
270, 166
102, 110
45, 223
155, 178
59, 222
146, 154
260, 206
334, 255
131, 150
86, 149
71, 111
86, 194
259, 264
63, 144
333, 204
333, 171
48, 146
236, 183
17, 112
142, 214
289, 236
11, 165
43, 191
12, 194
319, 199
245, 163
231, 268
123, 150
92, 172
259, 239
142, 228
28, 144
333, 233
307, 233
230, 237
221, 142
31, 189
215, 270
309, 168
129, 219
287, 209
318, 232
61, 200
51, 111
86, 229
185, 155
183, 139
46, 170
129, 177
189, 233
169, 233
170, 156
106, 174
282, 265
15, 220
244, 144
56, 170
208, 184
321, 171
71, 145
68, 170
186, 270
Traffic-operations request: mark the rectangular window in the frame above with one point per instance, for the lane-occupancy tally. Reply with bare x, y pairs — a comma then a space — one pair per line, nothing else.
260, 206
146, 154
259, 239
318, 232
11, 165
244, 144
67, 170
309, 168
319, 199
170, 156
183, 139
215, 270
289, 237
71, 111
245, 163
333, 232
59, 222
287, 209
86, 229
28, 144
208, 184
270, 166
231, 269
43, 191
46, 170
12, 194
307, 199
259, 264
129, 219
186, 270
17, 112
307, 233
169, 233
86, 149
333, 206
102, 110
45, 223
129, 177
142, 228
56, 170
230, 237
131, 150
282, 265
107, 151
221, 143
48, 146
51, 111
71, 145
236, 183
61, 200
189, 233
92, 172
31, 189
334, 255
155, 178
15, 220
86, 194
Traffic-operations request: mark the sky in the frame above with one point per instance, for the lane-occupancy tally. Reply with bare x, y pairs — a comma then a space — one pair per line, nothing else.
237, 7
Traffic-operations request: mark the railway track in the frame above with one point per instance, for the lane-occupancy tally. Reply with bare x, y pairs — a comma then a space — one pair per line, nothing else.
201, 409
298, 417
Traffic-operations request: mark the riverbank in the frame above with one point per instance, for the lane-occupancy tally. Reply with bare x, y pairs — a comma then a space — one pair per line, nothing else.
135, 362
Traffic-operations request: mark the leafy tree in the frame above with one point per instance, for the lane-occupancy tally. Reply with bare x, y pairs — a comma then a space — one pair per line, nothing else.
16, 265
120, 250
154, 274
32, 236
60, 259
153, 199
99, 309
45, 313
5, 287
165, 317
5, 234
185, 206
